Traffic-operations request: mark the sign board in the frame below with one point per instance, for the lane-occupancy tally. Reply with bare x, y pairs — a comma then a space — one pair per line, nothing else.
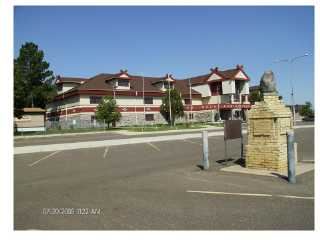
232, 129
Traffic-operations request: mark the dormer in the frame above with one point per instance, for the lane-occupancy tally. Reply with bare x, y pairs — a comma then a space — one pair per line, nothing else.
241, 74
121, 80
215, 75
65, 84
164, 83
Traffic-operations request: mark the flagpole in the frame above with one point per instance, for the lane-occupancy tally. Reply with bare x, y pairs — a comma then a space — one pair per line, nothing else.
144, 107
135, 108
190, 99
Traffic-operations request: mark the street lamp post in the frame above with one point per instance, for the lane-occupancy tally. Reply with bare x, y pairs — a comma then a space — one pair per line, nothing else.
291, 61
170, 113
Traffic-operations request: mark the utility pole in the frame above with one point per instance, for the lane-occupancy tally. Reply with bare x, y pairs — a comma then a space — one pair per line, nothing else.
291, 61
170, 113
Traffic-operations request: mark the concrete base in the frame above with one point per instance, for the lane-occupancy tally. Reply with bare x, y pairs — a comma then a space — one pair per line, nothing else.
301, 168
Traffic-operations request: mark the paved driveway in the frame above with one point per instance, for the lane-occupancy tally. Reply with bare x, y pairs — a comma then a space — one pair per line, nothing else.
149, 186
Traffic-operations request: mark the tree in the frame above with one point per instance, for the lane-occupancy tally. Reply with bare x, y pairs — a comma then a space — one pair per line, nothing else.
255, 96
306, 110
32, 79
176, 106
107, 111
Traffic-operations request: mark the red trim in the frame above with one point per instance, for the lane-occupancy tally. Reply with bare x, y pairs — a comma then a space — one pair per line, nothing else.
98, 92
131, 109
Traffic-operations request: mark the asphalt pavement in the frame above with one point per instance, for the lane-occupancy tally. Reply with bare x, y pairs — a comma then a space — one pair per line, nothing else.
158, 185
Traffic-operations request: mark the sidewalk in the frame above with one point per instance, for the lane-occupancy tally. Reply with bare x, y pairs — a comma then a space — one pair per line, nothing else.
122, 132
118, 142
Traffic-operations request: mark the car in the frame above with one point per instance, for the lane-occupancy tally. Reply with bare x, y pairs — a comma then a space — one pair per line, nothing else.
308, 119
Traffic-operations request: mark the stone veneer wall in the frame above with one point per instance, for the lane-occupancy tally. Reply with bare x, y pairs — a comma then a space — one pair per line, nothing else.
268, 123
127, 119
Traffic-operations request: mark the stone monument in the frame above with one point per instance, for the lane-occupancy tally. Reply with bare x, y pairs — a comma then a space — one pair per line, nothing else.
268, 123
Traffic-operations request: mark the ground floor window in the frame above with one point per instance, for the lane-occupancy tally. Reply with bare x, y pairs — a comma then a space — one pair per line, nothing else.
190, 115
149, 117
93, 119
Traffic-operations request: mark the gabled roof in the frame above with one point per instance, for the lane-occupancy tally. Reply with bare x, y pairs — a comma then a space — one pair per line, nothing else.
102, 82
224, 75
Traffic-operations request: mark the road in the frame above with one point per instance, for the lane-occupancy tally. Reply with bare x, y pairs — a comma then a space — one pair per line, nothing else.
147, 186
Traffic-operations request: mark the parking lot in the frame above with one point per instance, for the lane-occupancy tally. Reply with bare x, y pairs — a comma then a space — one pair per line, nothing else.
157, 186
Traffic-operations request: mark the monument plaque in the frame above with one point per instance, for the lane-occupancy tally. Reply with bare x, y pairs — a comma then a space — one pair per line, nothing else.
268, 122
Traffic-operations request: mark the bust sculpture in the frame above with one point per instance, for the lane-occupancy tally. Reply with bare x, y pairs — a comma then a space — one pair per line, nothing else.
268, 83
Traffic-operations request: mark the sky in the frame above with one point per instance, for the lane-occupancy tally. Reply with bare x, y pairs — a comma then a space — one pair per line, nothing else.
183, 41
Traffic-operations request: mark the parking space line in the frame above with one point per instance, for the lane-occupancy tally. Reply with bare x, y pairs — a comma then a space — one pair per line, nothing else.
252, 194
105, 152
288, 196
189, 141
228, 193
154, 147
50, 155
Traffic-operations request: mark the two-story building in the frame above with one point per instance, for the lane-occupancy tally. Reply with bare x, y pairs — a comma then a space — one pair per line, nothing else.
210, 97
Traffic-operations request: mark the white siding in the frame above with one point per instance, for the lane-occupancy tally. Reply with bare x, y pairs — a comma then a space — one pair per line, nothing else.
196, 101
228, 87
67, 87
214, 100
245, 89
203, 89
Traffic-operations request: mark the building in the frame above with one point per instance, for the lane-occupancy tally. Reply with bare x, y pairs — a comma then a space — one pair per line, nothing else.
209, 97
32, 120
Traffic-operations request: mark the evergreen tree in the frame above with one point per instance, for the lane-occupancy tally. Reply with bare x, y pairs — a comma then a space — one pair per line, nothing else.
33, 81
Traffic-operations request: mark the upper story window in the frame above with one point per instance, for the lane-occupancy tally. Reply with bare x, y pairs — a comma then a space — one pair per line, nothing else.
123, 83
216, 88
187, 101
148, 100
166, 85
59, 88
95, 99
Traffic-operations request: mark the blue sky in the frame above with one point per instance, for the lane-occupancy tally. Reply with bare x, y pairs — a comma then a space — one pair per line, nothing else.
184, 41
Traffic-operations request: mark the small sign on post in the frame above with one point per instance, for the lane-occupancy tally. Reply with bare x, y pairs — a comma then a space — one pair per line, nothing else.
232, 130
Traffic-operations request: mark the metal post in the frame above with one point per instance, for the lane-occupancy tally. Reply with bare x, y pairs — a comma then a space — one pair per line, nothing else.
291, 158
170, 113
225, 150
205, 160
242, 157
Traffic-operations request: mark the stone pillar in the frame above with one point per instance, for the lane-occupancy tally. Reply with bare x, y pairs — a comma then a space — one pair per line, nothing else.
268, 123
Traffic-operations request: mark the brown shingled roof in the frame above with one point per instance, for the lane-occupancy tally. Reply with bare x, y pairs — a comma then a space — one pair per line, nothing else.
70, 79
99, 82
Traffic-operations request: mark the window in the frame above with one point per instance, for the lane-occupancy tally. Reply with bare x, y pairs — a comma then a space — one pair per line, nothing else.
190, 115
216, 88
59, 87
148, 100
95, 99
149, 117
187, 101
123, 83
93, 119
